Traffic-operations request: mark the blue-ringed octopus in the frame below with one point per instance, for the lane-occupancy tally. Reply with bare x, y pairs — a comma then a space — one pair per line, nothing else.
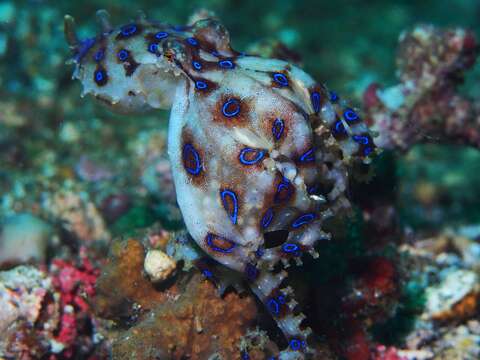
257, 147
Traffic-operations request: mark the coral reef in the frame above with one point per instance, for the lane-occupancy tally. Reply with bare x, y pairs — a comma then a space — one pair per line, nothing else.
427, 106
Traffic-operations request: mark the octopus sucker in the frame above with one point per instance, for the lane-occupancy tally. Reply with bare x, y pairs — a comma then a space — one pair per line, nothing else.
260, 152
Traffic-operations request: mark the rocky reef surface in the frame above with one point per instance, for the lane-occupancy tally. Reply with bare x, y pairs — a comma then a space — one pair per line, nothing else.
95, 262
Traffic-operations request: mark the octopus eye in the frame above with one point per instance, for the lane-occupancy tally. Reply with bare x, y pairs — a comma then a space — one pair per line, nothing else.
192, 41
231, 108
333, 96
267, 218
277, 128
220, 244
197, 65
161, 35
308, 156
201, 85
230, 203
191, 160
315, 98
303, 220
123, 55
226, 64
249, 156
128, 30
350, 115
280, 79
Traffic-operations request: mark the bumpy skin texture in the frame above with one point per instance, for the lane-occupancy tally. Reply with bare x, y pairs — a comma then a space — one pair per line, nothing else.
256, 145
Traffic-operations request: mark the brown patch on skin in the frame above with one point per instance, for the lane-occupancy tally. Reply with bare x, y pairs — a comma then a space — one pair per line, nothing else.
217, 245
228, 205
190, 162
200, 82
130, 66
241, 119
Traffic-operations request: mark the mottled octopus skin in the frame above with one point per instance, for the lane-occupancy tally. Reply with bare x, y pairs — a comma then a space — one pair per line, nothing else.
256, 145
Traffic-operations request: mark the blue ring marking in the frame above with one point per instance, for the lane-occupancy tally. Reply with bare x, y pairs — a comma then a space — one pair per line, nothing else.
333, 96
367, 151
100, 75
295, 344
153, 48
83, 48
277, 128
260, 252
284, 185
364, 140
161, 35
267, 218
226, 64
280, 79
215, 53
281, 299
122, 55
290, 248
251, 271
312, 189
99, 55
315, 98
201, 85
245, 356
192, 41
349, 115
197, 65
260, 155
308, 156
303, 219
207, 273
219, 249
236, 108
129, 30
273, 306
188, 149
340, 128
232, 196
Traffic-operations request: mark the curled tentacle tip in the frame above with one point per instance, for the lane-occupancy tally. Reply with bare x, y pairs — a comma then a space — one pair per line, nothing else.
103, 18
69, 30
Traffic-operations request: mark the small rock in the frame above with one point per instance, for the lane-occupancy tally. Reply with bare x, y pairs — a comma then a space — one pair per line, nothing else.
158, 265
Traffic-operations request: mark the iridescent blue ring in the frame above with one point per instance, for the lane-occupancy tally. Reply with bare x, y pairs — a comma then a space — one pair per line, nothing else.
290, 248
192, 41
229, 194
99, 55
232, 112
333, 96
161, 35
367, 151
303, 219
339, 127
189, 150
267, 218
197, 65
219, 249
260, 154
122, 55
153, 48
361, 139
315, 98
129, 30
308, 156
277, 128
273, 306
226, 64
350, 115
99, 75
280, 79
295, 344
201, 85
